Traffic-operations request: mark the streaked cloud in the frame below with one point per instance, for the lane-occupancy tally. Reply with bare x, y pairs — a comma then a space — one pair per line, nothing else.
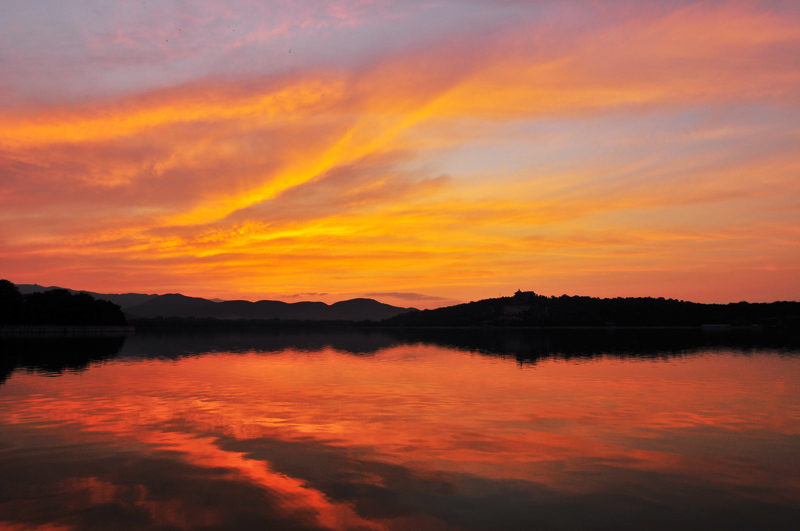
552, 146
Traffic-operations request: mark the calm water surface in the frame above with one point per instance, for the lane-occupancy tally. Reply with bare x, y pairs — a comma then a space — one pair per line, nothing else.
369, 431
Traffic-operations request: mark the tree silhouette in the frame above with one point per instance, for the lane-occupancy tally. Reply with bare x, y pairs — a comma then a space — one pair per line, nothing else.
56, 307
11, 303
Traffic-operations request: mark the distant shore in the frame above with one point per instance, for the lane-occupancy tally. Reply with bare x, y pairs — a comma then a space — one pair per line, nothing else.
224, 324
65, 330
272, 324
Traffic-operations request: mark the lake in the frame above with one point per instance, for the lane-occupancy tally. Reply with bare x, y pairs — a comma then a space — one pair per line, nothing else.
403, 430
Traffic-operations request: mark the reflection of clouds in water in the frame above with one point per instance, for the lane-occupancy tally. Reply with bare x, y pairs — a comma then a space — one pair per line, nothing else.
162, 479
86, 493
101, 484
189, 483
412, 436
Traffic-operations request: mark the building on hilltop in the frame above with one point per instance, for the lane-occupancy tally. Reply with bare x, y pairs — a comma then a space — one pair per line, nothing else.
520, 294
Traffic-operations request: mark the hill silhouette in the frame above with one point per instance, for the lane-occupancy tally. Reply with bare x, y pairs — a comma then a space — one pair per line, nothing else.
530, 309
123, 300
522, 309
177, 305
55, 307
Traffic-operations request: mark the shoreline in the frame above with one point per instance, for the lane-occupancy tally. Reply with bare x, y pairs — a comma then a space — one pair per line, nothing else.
65, 330
232, 325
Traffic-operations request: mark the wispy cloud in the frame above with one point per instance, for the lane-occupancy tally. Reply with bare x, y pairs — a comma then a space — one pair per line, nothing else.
560, 141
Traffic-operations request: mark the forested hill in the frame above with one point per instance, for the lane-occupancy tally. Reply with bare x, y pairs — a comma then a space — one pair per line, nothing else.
55, 307
530, 309
176, 305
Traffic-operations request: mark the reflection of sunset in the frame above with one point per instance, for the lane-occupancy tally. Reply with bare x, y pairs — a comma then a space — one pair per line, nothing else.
652, 152
436, 413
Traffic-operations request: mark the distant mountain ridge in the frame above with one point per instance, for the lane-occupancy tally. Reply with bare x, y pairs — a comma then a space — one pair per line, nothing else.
122, 300
176, 305
523, 309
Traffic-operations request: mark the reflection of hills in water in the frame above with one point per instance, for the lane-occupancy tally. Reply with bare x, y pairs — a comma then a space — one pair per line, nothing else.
56, 355
531, 346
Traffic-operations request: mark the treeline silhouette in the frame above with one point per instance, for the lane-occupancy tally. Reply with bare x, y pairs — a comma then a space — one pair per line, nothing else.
524, 344
55, 355
55, 307
213, 323
530, 309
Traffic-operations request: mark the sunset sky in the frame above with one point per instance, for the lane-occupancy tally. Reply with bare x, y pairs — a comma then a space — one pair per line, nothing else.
419, 153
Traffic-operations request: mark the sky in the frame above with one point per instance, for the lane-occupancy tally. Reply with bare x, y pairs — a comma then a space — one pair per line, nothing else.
421, 153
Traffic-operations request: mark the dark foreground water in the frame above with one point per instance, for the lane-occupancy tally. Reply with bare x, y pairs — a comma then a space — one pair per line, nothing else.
401, 431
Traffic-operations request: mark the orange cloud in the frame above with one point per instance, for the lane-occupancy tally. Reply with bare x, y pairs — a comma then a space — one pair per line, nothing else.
354, 181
